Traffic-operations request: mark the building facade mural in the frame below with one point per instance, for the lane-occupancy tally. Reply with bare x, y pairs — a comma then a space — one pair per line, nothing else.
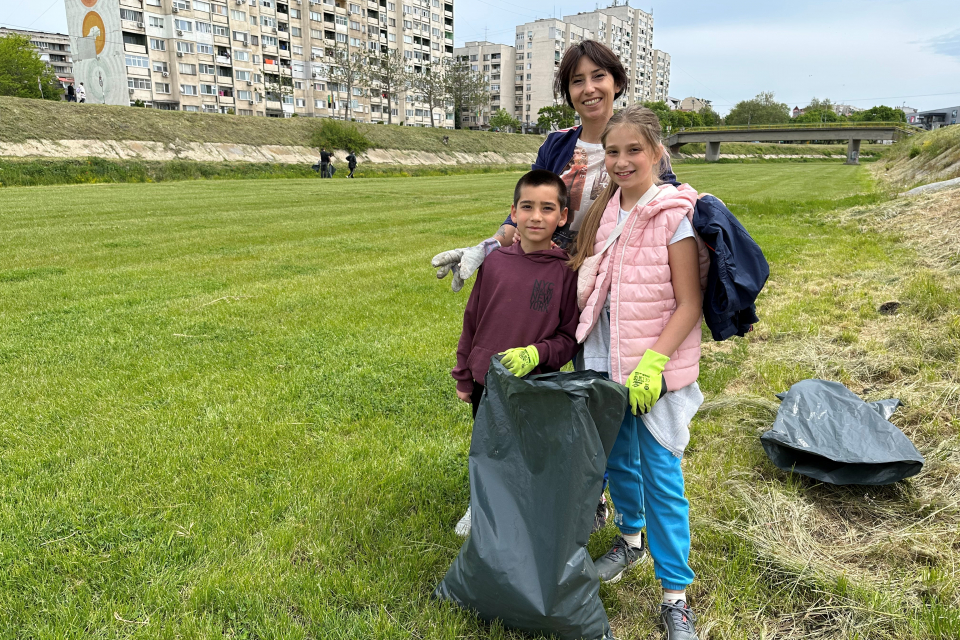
97, 42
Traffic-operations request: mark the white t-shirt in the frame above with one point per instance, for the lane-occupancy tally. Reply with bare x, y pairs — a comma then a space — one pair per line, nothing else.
585, 177
596, 348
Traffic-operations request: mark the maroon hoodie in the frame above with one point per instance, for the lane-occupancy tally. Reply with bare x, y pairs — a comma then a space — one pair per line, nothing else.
519, 299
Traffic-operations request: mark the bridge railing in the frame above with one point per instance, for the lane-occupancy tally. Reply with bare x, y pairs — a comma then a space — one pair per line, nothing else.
797, 125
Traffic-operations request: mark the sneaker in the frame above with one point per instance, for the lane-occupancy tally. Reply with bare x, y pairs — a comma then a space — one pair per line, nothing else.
678, 618
600, 519
621, 557
463, 527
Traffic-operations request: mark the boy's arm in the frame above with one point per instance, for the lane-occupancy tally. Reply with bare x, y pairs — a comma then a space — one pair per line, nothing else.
559, 349
461, 373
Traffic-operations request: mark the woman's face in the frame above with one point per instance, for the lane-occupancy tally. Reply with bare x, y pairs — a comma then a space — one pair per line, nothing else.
592, 90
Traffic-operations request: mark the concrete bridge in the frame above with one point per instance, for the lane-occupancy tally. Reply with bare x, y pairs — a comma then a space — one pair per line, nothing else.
853, 132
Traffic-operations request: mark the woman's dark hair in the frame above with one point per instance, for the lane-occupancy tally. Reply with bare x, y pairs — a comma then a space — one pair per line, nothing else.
601, 55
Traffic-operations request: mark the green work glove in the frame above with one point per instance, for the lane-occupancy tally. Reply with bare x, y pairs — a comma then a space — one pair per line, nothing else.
645, 383
521, 361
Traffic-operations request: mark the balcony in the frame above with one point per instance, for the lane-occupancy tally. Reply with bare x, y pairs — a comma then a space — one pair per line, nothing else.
225, 60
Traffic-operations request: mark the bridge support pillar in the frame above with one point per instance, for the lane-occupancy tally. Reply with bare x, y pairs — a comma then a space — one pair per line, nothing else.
675, 150
853, 152
713, 151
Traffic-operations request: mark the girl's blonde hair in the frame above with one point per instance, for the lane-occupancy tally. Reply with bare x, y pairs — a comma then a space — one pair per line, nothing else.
647, 124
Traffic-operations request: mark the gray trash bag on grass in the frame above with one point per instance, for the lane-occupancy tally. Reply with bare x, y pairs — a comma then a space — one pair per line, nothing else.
824, 431
537, 457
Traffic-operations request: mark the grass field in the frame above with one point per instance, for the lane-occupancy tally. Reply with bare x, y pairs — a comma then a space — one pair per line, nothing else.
226, 411
22, 119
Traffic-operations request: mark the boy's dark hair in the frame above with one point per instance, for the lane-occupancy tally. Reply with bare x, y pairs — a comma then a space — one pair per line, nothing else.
601, 55
538, 178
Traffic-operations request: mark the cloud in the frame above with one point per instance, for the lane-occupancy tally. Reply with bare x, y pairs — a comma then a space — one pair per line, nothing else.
948, 44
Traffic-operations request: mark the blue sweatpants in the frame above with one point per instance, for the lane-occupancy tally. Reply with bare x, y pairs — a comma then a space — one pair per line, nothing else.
645, 478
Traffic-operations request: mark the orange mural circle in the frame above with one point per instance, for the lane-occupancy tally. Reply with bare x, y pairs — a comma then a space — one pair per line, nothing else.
90, 21
88, 3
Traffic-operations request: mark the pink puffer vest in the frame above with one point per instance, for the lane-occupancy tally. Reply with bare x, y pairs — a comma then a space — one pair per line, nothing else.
636, 272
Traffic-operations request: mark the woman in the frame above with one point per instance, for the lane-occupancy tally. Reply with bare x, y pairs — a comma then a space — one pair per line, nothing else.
590, 79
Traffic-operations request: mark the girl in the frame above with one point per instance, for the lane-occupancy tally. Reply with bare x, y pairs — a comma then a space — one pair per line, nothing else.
641, 304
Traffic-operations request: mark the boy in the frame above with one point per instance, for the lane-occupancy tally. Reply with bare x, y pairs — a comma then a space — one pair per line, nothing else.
525, 294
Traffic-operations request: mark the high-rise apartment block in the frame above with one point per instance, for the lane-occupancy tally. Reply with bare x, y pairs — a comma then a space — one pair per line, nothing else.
53, 48
265, 57
496, 62
627, 31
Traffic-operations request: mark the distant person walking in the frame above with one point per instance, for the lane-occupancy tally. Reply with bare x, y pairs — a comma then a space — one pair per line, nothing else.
71, 93
325, 163
81, 94
351, 163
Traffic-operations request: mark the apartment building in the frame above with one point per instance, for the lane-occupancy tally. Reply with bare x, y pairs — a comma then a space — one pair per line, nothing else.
539, 47
274, 57
692, 103
496, 62
629, 34
54, 49
661, 76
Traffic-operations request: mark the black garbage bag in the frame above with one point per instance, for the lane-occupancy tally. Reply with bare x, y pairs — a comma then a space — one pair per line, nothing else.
824, 431
537, 457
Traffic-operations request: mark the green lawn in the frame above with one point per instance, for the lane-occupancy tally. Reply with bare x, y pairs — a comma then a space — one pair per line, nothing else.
226, 411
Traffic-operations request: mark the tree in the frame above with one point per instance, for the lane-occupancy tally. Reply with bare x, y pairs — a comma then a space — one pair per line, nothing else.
348, 69
762, 109
466, 88
879, 114
710, 117
819, 115
819, 105
432, 87
389, 72
23, 74
558, 117
276, 86
502, 120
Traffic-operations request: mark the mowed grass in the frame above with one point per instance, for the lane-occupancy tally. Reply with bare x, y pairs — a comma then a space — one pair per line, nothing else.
226, 411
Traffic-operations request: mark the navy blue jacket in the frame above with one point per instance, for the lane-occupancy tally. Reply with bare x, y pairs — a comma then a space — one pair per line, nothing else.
555, 154
737, 273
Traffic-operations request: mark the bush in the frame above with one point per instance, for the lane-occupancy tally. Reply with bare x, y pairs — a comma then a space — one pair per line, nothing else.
914, 152
333, 134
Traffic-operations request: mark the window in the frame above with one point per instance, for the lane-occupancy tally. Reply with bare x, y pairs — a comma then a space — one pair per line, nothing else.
297, 50
185, 47
243, 56
392, 37
295, 13
435, 17
161, 87
137, 61
138, 83
529, 77
219, 9
391, 6
204, 27
208, 89
156, 21
201, 6
160, 66
208, 69
355, 42
341, 20
131, 15
408, 39
409, 113
355, 25
267, 3
267, 21
243, 76
183, 25
158, 45
407, 24
296, 32
269, 41
301, 102
244, 95
205, 48
354, 8
191, 107
240, 36
342, 37
188, 69
221, 30
181, 4
238, 15
486, 67
529, 55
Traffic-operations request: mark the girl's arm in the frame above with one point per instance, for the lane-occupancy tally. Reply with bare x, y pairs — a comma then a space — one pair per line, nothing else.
685, 276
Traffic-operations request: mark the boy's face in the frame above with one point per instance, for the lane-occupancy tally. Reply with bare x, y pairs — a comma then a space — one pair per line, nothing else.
537, 213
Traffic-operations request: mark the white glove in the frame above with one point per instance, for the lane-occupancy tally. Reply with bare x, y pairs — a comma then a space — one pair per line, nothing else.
463, 262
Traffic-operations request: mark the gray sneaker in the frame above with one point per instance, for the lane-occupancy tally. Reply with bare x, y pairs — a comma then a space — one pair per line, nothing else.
621, 557
463, 526
678, 618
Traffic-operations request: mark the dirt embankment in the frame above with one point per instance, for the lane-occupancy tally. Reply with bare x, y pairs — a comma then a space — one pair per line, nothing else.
928, 157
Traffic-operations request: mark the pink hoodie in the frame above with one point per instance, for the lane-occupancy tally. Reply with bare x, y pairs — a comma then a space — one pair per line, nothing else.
636, 273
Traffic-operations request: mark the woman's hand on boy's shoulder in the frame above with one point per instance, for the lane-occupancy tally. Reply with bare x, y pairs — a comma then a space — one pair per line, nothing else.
464, 395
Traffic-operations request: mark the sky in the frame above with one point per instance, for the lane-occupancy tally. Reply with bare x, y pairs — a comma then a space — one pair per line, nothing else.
855, 52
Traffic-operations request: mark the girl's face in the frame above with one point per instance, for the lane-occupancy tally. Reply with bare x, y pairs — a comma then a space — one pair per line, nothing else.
591, 91
629, 159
